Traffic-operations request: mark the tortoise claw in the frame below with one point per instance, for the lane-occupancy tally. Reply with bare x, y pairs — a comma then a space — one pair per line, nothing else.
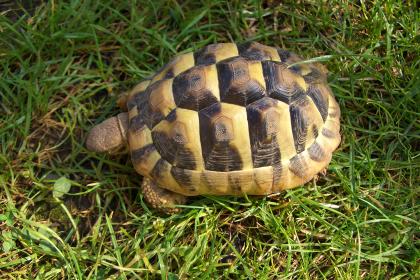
322, 173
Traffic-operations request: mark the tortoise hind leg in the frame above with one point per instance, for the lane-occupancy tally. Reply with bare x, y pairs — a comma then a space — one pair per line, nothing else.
161, 199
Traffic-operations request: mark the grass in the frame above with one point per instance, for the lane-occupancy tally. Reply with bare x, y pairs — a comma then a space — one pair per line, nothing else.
61, 70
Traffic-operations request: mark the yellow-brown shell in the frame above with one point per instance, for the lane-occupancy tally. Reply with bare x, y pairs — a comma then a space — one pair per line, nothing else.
233, 119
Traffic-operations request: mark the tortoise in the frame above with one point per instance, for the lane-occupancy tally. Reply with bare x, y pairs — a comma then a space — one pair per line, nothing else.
228, 119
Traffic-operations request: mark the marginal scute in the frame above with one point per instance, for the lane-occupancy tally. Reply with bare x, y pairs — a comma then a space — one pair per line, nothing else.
316, 121
328, 133
138, 155
283, 54
314, 76
188, 179
214, 53
288, 57
162, 175
241, 182
139, 138
145, 158
179, 64
183, 177
137, 90
277, 175
138, 99
133, 112
315, 131
233, 182
161, 168
298, 166
333, 115
257, 51
215, 182
316, 152
333, 110
263, 178
137, 123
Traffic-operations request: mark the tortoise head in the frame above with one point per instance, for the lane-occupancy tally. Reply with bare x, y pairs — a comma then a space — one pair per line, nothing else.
109, 136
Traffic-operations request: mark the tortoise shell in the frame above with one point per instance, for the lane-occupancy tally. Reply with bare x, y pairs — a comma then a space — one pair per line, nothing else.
233, 119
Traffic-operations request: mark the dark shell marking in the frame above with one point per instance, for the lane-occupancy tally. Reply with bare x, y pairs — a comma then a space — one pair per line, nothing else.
138, 155
280, 84
316, 152
236, 83
300, 122
190, 91
230, 109
216, 134
256, 51
320, 100
173, 150
263, 129
298, 166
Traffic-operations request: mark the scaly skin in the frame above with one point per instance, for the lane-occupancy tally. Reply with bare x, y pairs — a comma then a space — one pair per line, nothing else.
110, 136
161, 199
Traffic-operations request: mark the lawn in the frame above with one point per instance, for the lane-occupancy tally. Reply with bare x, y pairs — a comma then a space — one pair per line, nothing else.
66, 212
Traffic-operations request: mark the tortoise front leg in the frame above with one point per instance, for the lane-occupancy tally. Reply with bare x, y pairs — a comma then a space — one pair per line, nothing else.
160, 198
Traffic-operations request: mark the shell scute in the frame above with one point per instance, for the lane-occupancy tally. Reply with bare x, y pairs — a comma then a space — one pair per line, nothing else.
238, 81
221, 131
176, 139
233, 119
263, 129
196, 88
282, 83
214, 53
257, 51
